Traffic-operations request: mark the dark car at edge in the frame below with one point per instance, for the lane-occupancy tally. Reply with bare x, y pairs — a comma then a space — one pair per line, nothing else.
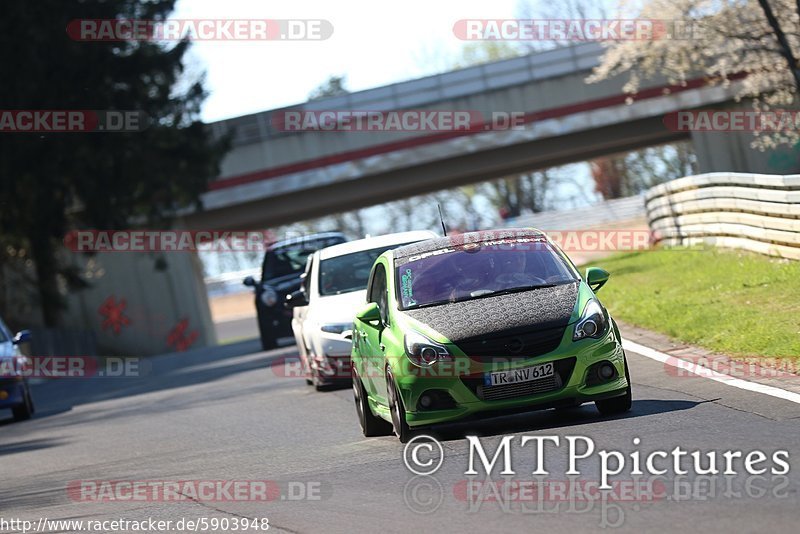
281, 274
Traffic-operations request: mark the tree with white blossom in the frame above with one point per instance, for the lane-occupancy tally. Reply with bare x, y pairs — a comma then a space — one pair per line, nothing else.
751, 43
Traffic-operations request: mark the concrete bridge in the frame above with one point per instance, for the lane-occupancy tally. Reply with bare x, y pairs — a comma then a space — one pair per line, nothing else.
272, 176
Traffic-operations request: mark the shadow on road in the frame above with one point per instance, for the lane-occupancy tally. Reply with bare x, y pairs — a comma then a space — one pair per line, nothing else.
30, 445
547, 419
156, 373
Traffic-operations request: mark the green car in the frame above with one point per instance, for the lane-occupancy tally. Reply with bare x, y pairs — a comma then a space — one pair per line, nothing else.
480, 324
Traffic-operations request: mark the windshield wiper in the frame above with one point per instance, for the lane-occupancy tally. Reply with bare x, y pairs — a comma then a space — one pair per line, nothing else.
488, 294
519, 289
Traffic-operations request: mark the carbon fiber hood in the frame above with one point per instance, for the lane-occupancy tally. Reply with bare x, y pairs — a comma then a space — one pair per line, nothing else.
548, 307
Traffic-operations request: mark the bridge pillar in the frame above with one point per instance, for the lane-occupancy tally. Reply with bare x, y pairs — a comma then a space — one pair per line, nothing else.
140, 303
731, 152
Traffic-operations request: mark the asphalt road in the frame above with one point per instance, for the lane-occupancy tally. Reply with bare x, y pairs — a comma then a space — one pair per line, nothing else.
220, 415
236, 329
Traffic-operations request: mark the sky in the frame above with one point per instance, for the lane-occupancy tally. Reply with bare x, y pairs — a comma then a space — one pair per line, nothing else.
374, 43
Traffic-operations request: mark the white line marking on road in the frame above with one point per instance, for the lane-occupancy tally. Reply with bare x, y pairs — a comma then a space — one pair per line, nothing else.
705, 372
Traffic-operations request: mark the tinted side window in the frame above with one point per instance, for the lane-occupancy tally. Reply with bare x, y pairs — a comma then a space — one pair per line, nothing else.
307, 275
372, 290
378, 291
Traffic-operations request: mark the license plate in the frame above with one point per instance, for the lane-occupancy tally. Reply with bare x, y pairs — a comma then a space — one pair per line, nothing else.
516, 376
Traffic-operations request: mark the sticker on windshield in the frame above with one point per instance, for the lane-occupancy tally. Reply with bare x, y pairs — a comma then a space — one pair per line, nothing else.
406, 288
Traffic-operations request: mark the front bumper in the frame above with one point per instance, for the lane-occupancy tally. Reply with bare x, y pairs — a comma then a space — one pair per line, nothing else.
573, 361
12, 392
331, 359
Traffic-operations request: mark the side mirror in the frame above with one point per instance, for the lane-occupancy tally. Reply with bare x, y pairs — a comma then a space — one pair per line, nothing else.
249, 281
348, 334
596, 276
23, 336
296, 298
370, 313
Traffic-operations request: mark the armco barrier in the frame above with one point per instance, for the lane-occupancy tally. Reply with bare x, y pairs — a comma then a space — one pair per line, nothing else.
755, 212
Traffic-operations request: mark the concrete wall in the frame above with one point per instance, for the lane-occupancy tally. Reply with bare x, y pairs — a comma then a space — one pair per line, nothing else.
135, 308
130, 308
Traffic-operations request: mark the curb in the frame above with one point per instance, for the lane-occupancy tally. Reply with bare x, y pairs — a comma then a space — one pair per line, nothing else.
684, 359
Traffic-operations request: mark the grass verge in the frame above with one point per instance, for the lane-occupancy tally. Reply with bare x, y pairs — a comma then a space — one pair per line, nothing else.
737, 303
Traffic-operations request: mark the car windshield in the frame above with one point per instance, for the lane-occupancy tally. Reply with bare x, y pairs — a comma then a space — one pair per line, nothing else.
349, 272
291, 258
475, 271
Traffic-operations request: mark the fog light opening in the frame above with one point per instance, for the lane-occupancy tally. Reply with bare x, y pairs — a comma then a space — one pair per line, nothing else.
425, 401
606, 371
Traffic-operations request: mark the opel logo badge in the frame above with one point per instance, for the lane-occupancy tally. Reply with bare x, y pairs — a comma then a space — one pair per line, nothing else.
515, 345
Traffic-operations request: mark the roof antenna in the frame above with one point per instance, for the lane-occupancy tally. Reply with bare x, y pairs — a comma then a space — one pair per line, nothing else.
441, 218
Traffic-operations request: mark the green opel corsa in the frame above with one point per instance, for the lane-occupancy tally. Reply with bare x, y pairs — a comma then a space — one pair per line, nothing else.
480, 323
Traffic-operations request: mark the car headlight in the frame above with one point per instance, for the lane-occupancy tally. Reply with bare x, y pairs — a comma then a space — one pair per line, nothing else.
592, 323
423, 351
336, 328
269, 296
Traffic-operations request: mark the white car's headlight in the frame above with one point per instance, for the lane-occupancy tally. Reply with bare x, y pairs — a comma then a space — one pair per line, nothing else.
269, 296
423, 351
336, 328
592, 323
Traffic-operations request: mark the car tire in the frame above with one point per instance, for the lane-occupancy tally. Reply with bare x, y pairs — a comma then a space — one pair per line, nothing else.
617, 405
371, 425
25, 410
315, 380
398, 411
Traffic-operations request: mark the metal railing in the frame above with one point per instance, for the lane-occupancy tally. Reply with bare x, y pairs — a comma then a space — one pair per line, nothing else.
608, 211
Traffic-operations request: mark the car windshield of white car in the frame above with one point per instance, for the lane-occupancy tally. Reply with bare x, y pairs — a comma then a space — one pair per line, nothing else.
350, 272
465, 273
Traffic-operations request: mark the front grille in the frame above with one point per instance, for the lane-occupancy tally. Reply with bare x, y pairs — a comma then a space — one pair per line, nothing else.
563, 372
513, 346
523, 389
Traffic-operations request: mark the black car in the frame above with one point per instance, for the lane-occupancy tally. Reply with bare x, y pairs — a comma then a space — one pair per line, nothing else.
281, 272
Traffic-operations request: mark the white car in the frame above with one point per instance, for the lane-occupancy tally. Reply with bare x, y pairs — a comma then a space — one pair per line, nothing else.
333, 289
